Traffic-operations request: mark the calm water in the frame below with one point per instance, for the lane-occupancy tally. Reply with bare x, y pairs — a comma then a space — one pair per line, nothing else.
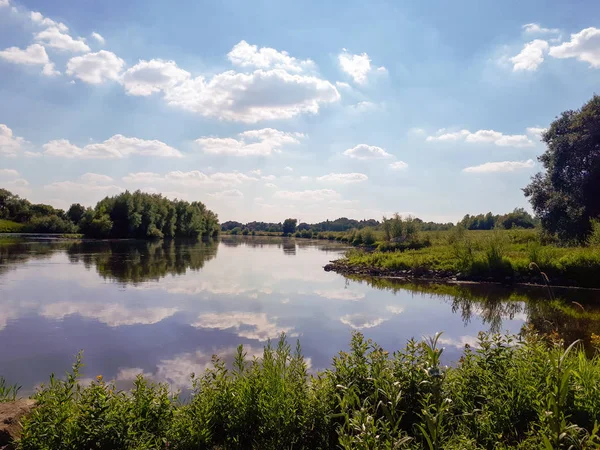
165, 308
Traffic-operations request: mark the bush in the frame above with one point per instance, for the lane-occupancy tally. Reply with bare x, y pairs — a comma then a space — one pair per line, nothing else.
49, 224
594, 237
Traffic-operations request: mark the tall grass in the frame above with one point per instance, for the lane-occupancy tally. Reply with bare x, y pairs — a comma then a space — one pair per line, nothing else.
506, 392
8, 392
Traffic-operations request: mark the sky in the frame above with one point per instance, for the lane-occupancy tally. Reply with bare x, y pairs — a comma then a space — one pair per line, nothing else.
271, 109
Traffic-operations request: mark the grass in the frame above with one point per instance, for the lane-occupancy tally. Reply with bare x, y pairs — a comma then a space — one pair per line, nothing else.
8, 392
495, 254
507, 392
8, 226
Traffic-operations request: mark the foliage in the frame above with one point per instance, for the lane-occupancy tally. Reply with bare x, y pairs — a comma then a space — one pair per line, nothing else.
594, 237
399, 229
8, 392
75, 213
519, 218
289, 226
506, 392
49, 224
567, 195
8, 226
141, 215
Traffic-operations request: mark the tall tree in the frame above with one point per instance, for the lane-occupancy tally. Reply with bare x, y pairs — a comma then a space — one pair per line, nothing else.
567, 195
289, 226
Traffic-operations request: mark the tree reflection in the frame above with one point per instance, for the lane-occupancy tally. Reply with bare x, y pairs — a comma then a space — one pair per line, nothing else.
574, 314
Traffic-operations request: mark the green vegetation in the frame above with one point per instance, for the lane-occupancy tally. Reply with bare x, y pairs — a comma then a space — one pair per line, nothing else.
8, 392
506, 392
127, 215
566, 197
8, 226
500, 255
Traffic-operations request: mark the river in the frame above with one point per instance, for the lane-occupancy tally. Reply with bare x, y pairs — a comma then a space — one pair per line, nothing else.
164, 308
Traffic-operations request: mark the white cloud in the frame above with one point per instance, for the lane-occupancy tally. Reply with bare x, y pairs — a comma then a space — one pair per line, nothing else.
118, 146
398, 165
364, 151
9, 173
9, 144
340, 294
35, 54
502, 166
193, 178
246, 324
471, 341
113, 315
96, 68
252, 97
361, 321
55, 38
585, 46
246, 55
4, 3
231, 194
343, 85
268, 177
395, 309
483, 136
536, 132
531, 56
288, 169
357, 66
270, 185
251, 143
536, 28
147, 77
39, 19
317, 195
99, 38
344, 178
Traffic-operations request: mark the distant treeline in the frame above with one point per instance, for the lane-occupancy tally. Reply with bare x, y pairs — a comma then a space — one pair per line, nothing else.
519, 218
127, 215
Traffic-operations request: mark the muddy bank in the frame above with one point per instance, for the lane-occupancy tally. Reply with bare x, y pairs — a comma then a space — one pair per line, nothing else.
442, 276
11, 415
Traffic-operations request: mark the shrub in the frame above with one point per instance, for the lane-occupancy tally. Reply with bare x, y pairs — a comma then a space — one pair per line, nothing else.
594, 237
49, 224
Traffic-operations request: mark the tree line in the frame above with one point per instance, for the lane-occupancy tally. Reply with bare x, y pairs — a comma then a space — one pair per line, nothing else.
128, 215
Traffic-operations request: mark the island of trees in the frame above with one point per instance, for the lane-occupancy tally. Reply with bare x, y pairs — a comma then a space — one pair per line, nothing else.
127, 215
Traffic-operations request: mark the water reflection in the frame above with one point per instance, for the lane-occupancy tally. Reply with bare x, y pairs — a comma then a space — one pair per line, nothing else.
163, 308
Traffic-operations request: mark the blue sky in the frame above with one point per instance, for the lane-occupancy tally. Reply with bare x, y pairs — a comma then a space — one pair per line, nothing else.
265, 110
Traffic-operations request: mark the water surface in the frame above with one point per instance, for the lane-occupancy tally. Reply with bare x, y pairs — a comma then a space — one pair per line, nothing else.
164, 308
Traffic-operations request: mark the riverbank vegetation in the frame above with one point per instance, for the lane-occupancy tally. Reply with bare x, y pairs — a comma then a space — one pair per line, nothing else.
506, 392
128, 215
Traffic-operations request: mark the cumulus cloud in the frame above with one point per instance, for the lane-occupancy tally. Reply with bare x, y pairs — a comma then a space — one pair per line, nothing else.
317, 195
278, 88
250, 143
357, 66
96, 68
340, 294
147, 77
35, 54
10, 145
55, 38
502, 166
118, 146
584, 46
288, 169
99, 38
536, 28
246, 324
96, 178
39, 19
483, 136
536, 132
4, 3
190, 179
344, 178
398, 165
364, 151
270, 185
531, 56
246, 55
9, 173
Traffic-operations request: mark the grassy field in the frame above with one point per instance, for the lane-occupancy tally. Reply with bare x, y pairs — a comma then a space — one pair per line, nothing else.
483, 255
8, 226
506, 392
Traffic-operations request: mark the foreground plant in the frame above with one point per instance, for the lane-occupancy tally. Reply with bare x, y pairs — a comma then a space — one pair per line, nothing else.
506, 392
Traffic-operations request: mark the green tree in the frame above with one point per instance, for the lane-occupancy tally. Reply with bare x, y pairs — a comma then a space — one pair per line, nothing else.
289, 226
75, 213
566, 197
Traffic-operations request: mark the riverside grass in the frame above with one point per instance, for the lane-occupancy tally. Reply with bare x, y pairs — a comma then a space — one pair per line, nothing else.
495, 254
507, 392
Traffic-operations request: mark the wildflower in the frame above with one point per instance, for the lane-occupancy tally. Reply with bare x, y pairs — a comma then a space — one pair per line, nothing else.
99, 378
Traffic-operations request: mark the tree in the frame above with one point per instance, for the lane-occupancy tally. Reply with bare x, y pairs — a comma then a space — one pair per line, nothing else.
75, 213
289, 226
566, 197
